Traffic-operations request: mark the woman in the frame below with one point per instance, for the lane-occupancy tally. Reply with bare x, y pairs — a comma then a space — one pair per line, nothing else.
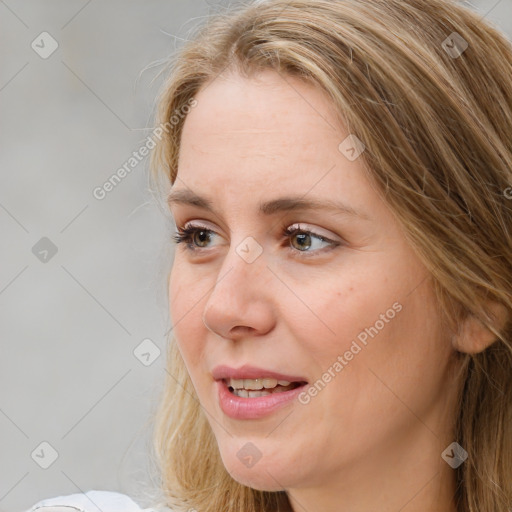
341, 292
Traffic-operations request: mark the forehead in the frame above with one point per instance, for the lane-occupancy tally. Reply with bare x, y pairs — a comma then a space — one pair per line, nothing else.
254, 146
268, 127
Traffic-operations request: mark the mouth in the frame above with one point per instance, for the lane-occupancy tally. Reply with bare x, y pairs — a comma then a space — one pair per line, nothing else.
249, 404
255, 388
249, 393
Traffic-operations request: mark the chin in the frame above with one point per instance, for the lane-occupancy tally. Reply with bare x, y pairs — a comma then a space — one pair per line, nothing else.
258, 479
266, 474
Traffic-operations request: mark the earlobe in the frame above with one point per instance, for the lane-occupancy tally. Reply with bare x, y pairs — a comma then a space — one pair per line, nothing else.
473, 336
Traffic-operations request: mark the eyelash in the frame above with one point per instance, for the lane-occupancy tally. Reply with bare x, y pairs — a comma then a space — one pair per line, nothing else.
185, 235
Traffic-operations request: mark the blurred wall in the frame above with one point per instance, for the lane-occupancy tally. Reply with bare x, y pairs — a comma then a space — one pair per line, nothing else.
83, 305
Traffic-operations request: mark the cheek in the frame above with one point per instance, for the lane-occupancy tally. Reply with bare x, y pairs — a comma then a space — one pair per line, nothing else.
347, 309
186, 304
372, 318
389, 337
185, 290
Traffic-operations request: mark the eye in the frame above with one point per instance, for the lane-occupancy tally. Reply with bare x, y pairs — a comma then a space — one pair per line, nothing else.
188, 236
197, 238
307, 239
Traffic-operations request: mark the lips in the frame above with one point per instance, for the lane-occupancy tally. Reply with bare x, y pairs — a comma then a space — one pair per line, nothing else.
223, 372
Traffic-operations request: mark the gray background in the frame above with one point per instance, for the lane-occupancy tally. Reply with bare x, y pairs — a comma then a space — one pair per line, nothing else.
69, 325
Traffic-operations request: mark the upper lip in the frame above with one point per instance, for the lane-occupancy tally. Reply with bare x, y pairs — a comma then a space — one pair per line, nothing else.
252, 372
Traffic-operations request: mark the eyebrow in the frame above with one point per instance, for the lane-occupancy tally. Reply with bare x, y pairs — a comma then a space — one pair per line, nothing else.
272, 207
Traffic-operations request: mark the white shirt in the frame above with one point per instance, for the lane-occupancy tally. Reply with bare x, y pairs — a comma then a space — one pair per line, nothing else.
91, 501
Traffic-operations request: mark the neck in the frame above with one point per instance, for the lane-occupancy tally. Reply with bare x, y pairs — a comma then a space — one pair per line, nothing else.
412, 479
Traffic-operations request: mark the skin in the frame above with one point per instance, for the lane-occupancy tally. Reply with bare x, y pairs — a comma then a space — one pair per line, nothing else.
372, 438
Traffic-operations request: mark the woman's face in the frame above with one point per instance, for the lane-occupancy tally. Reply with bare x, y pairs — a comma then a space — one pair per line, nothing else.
349, 308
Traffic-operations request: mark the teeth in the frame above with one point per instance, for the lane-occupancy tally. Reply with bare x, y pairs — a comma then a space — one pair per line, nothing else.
244, 393
269, 383
256, 384
236, 383
253, 384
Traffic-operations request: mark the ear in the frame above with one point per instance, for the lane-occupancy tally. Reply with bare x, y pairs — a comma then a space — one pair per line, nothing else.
473, 336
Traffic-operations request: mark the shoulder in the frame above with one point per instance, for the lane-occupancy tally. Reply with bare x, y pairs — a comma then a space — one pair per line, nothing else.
91, 501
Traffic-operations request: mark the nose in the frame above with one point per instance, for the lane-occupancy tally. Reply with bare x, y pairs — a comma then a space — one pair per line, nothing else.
240, 303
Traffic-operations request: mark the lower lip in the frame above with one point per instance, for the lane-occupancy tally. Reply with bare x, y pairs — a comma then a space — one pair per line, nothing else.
241, 408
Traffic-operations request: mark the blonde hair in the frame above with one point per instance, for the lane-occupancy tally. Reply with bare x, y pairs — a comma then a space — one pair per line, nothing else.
436, 119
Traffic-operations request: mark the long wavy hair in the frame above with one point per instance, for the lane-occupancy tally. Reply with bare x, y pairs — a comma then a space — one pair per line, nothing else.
427, 85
